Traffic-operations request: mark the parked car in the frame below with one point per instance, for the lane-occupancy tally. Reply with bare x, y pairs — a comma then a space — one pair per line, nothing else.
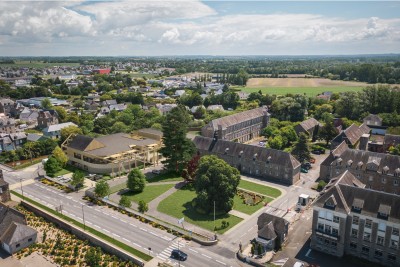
303, 170
316, 152
306, 165
178, 255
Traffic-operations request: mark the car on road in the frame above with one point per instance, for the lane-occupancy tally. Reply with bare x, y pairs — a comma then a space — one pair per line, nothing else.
303, 170
156, 171
178, 255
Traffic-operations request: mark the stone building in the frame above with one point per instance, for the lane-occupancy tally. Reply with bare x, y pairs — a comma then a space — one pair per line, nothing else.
272, 231
269, 164
378, 171
240, 127
4, 189
7, 125
351, 135
351, 219
309, 126
46, 118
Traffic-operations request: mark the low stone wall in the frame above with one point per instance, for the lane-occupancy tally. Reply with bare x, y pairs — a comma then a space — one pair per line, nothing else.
83, 235
250, 261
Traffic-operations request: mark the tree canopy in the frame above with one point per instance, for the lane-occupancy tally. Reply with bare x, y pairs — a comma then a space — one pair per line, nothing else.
60, 156
102, 189
136, 180
52, 166
215, 181
301, 150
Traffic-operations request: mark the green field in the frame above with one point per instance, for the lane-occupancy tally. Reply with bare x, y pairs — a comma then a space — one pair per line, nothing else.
165, 177
247, 209
309, 91
38, 64
179, 205
261, 189
149, 193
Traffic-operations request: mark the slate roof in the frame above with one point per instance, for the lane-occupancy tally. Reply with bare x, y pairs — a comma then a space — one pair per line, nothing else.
247, 151
391, 139
372, 201
58, 127
9, 215
269, 225
238, 118
308, 124
373, 120
16, 232
353, 133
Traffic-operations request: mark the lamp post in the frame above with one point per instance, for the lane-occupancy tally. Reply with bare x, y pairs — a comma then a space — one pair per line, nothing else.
22, 190
214, 216
83, 216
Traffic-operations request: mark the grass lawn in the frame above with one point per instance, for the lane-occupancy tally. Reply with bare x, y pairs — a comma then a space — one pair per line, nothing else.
149, 193
261, 189
165, 177
67, 169
179, 205
240, 206
309, 91
117, 187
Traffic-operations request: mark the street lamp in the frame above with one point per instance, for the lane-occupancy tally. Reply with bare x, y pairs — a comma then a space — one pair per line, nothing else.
83, 216
20, 180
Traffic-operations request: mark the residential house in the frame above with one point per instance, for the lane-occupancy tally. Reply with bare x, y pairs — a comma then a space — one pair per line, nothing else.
54, 131
272, 231
4, 189
164, 109
240, 127
47, 118
7, 124
377, 171
91, 105
115, 153
7, 106
374, 122
309, 126
29, 116
265, 163
242, 95
15, 234
108, 103
215, 107
351, 136
32, 137
351, 219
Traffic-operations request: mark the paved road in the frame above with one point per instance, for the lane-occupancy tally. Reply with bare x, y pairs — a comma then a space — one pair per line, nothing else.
123, 228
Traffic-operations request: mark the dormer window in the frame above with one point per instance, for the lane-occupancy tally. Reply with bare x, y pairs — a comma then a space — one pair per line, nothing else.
255, 156
339, 161
397, 172
385, 170
226, 150
330, 203
359, 165
349, 163
357, 205
268, 159
384, 211
240, 154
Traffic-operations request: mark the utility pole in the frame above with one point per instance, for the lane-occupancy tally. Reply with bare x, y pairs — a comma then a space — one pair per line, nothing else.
22, 190
83, 216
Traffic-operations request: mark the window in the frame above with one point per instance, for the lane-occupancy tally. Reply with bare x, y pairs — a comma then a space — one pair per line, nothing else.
355, 220
395, 231
384, 180
335, 219
365, 250
320, 227
367, 236
322, 214
30, 239
327, 229
354, 232
382, 227
391, 257
378, 253
368, 223
380, 240
334, 244
396, 182
335, 232
353, 245
329, 216
394, 244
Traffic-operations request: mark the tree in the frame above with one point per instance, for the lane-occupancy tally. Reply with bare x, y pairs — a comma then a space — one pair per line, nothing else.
60, 156
178, 149
52, 166
125, 202
143, 207
216, 181
394, 150
102, 189
67, 131
78, 179
275, 142
136, 181
62, 114
328, 132
46, 104
93, 257
301, 150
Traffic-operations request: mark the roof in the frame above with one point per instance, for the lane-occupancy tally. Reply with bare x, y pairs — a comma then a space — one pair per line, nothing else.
58, 127
353, 133
151, 131
370, 201
108, 145
33, 137
16, 232
234, 119
247, 151
308, 124
9, 215
373, 120
269, 226
391, 139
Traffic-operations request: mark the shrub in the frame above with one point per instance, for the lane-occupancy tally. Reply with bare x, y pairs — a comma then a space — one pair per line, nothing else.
321, 185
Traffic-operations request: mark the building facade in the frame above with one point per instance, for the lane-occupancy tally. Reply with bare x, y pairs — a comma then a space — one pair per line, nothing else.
269, 164
351, 219
46, 118
4, 189
309, 126
240, 127
377, 171
351, 135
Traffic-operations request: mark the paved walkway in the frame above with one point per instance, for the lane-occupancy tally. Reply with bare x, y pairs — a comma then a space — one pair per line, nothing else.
239, 214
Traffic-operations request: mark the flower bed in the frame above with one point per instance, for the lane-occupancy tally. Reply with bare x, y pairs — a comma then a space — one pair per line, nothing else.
56, 185
248, 198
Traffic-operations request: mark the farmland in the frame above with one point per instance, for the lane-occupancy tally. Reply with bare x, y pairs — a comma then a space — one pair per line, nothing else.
308, 86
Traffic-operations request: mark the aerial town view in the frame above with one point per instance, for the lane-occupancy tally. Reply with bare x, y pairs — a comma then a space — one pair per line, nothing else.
199, 133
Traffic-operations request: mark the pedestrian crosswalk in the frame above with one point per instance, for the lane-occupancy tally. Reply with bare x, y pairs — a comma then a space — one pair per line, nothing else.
166, 253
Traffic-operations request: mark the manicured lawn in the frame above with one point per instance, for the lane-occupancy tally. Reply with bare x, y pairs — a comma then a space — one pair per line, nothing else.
179, 205
240, 206
67, 169
261, 189
117, 187
149, 193
165, 177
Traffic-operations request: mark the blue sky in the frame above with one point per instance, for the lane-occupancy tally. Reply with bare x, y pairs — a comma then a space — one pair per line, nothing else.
135, 28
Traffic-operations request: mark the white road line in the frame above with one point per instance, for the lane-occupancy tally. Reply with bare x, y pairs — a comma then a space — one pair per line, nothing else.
223, 263
105, 230
79, 218
95, 225
116, 235
89, 223
122, 221
114, 217
126, 240
195, 251
137, 245
143, 229
153, 233
132, 225
206, 256
105, 213
74, 200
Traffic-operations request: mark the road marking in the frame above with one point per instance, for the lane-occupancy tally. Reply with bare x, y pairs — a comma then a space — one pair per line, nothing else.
69, 197
132, 225
223, 263
137, 245
89, 223
166, 238
95, 225
122, 221
308, 252
74, 200
105, 230
116, 235
126, 240
195, 251
114, 217
143, 229
242, 235
153, 233
47, 197
280, 262
206, 256
105, 213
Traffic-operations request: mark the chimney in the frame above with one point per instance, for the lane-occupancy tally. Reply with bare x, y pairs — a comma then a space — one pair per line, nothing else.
364, 142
